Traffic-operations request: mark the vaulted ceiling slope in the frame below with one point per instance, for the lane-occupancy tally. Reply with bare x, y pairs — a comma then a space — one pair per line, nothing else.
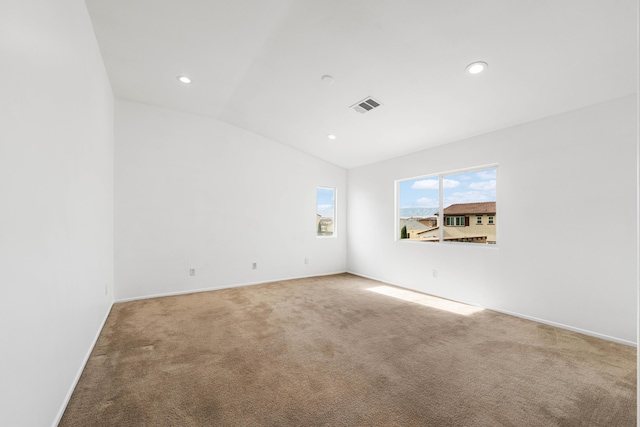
258, 65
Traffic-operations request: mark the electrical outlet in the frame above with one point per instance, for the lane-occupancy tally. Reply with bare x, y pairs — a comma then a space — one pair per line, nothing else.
192, 272
254, 266
306, 260
435, 273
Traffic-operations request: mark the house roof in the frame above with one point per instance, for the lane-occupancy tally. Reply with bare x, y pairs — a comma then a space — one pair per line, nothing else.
412, 224
471, 208
428, 230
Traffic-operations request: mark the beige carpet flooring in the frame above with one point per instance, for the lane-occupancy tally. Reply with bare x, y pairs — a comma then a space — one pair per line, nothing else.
326, 351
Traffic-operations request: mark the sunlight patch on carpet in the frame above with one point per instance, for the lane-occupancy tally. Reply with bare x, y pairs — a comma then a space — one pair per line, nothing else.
427, 300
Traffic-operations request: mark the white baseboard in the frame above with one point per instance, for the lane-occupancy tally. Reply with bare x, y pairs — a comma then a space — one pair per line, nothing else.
84, 363
522, 316
563, 326
217, 288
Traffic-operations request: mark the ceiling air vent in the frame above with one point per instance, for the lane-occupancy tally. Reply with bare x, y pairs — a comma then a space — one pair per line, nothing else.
365, 105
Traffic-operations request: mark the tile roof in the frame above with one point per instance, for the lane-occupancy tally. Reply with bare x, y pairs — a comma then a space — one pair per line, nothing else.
471, 208
412, 224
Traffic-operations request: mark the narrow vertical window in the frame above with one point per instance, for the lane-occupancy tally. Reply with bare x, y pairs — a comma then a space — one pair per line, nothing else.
325, 211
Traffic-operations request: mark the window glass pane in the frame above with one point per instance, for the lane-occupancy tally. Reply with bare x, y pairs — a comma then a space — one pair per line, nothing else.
418, 201
466, 195
325, 211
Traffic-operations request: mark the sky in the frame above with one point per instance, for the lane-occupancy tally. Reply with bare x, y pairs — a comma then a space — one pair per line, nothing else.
466, 187
325, 202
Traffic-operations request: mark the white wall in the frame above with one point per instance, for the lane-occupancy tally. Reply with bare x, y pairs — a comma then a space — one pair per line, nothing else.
56, 204
194, 192
570, 177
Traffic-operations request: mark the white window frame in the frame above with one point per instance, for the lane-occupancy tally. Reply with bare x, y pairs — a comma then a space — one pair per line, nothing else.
335, 211
441, 176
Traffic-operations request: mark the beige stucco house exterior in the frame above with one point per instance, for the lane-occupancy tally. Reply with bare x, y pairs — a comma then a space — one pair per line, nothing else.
470, 222
324, 226
463, 222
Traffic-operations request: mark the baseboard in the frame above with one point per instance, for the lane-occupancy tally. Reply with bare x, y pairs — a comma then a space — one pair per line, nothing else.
563, 326
84, 363
217, 288
522, 316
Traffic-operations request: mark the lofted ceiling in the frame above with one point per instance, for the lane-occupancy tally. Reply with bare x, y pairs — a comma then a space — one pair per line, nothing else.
258, 65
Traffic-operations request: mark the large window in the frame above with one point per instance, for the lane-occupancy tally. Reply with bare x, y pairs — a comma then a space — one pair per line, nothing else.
449, 207
325, 211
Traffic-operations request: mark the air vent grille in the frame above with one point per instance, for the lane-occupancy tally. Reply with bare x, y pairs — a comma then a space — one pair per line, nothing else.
365, 105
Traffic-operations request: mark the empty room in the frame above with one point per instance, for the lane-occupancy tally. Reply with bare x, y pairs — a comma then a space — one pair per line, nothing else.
319, 213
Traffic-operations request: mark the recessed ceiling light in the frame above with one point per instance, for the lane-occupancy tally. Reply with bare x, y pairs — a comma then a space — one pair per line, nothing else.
184, 79
477, 67
327, 79
331, 136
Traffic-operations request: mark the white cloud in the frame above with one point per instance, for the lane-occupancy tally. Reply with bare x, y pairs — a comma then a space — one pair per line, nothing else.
325, 211
487, 174
425, 184
483, 185
432, 184
450, 183
425, 201
466, 197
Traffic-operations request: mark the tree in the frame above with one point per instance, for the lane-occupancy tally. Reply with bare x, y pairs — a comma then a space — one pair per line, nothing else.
403, 232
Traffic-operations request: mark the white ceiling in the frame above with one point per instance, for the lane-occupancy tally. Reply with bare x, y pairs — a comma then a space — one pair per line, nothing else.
258, 64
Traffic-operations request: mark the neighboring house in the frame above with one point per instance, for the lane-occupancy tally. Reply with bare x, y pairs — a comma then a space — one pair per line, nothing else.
463, 222
414, 226
324, 225
430, 235
430, 222
470, 222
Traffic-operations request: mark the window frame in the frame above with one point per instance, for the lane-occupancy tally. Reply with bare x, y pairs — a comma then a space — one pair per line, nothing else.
335, 212
441, 176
